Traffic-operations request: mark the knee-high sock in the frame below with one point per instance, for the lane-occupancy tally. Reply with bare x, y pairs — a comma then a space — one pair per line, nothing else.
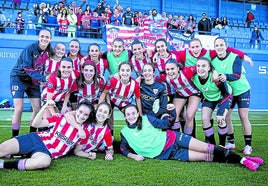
15, 164
222, 132
221, 154
248, 139
230, 138
15, 129
209, 135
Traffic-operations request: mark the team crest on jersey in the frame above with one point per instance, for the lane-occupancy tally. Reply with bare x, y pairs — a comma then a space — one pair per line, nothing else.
49, 85
155, 91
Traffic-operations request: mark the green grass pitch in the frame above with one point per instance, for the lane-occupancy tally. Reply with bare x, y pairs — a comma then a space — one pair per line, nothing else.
73, 170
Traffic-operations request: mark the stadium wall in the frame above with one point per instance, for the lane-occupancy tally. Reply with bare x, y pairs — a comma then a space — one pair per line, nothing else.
12, 45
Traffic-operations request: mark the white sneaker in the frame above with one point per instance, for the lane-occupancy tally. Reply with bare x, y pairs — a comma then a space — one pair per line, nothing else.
247, 150
230, 146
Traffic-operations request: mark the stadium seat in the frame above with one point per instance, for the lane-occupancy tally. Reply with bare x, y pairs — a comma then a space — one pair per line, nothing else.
7, 5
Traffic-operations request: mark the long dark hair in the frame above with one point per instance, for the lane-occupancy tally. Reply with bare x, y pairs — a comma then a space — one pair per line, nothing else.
49, 47
124, 63
79, 52
158, 40
81, 79
92, 44
139, 120
92, 116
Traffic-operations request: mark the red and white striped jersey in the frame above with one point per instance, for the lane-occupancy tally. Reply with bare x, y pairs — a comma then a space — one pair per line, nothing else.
61, 138
183, 85
122, 95
96, 136
51, 66
160, 62
101, 66
89, 92
137, 65
76, 64
60, 87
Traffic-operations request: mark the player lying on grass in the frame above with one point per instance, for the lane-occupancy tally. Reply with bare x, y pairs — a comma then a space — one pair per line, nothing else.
142, 138
42, 147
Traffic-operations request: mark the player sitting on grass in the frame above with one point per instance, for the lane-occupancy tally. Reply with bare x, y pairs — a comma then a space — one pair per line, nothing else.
44, 146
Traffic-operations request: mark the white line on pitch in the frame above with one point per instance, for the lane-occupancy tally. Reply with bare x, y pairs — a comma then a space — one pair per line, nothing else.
260, 124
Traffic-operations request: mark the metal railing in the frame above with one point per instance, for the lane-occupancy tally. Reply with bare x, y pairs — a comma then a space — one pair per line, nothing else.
30, 28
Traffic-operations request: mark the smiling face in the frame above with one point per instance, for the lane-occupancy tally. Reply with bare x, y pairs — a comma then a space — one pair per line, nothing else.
148, 72
74, 48
220, 47
172, 70
82, 114
125, 72
44, 38
94, 52
88, 72
131, 115
65, 68
102, 113
195, 48
137, 50
202, 68
59, 50
117, 48
161, 48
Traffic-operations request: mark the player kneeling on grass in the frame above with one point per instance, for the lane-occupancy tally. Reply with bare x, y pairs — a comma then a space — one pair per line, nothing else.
142, 138
62, 136
99, 133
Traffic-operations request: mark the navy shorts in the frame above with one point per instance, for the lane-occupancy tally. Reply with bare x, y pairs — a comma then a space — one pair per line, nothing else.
180, 149
18, 87
30, 144
242, 100
222, 105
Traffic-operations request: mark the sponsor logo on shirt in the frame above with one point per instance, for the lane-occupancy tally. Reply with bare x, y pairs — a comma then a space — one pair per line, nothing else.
64, 138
